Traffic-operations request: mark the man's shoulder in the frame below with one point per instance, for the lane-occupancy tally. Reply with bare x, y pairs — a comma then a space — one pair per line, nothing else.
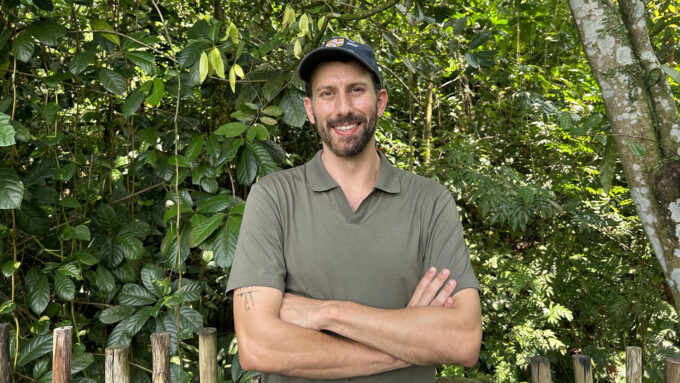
292, 177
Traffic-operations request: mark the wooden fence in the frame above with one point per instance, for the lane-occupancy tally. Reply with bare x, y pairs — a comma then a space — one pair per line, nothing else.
117, 368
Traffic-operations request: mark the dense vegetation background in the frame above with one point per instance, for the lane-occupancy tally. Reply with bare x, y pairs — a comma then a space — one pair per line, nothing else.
130, 132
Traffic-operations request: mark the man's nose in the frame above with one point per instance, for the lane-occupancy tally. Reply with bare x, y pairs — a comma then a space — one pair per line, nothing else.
343, 104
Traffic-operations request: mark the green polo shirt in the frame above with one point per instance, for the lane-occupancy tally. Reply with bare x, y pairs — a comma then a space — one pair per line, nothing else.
300, 235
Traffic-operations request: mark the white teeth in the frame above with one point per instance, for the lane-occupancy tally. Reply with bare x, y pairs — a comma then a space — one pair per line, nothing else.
345, 127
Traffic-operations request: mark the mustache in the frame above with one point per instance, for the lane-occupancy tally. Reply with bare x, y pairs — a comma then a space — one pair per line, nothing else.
346, 120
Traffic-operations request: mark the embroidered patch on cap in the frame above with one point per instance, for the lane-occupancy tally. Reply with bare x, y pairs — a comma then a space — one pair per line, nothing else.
335, 43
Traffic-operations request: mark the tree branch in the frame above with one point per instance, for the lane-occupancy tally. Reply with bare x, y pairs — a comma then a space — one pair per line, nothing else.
663, 103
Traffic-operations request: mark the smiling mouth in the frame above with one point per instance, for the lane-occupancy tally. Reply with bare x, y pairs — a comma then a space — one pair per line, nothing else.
346, 127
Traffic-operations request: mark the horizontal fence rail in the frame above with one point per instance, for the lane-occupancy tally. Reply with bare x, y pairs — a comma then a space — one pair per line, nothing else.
117, 365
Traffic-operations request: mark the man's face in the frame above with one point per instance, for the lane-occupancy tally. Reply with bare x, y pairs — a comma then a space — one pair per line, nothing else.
344, 107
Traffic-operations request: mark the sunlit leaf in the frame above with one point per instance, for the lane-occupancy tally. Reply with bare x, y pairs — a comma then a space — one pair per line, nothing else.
203, 66
101, 25
216, 62
157, 92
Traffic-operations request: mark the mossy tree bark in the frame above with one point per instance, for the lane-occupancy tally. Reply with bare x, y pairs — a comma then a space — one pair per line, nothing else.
643, 116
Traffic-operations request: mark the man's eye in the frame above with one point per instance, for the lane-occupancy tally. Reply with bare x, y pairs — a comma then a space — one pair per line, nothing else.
326, 93
358, 90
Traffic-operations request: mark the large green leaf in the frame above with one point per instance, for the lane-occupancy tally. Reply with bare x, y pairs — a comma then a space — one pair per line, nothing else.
672, 73
144, 60
133, 101
112, 81
23, 46
246, 167
137, 321
127, 272
157, 92
265, 162
6, 131
215, 204
190, 320
132, 247
38, 346
47, 32
194, 148
231, 129
225, 241
65, 172
152, 276
101, 25
104, 280
170, 249
32, 219
81, 232
203, 228
111, 253
64, 287
119, 335
294, 113
191, 290
192, 52
135, 295
81, 361
11, 189
37, 290
115, 314
107, 218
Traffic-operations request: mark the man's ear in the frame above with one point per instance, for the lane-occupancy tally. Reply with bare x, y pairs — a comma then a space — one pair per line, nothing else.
382, 101
308, 108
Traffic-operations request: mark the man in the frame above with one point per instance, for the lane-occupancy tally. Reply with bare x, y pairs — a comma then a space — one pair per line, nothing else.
335, 274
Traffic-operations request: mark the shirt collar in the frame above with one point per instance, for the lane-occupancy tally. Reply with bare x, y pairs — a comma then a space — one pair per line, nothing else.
319, 179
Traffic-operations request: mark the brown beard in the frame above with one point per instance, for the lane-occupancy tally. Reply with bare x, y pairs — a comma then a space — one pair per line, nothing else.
358, 144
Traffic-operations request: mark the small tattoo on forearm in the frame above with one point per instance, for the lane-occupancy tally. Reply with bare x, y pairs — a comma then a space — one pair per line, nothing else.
247, 294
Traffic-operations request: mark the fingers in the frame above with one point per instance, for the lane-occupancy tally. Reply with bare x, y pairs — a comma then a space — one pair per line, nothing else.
426, 291
444, 297
422, 286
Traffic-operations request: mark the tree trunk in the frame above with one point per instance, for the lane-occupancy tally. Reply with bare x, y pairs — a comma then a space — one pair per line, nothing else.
621, 57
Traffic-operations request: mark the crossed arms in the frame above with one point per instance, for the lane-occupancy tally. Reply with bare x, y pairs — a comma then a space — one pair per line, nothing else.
288, 334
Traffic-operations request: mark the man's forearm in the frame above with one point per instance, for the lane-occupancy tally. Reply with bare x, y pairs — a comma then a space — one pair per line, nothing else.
420, 335
424, 335
269, 344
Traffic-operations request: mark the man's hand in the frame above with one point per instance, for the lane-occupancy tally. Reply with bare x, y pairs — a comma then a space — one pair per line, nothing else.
429, 285
306, 312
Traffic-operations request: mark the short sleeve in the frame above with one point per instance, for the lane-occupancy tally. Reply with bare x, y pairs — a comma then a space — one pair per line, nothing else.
258, 258
445, 245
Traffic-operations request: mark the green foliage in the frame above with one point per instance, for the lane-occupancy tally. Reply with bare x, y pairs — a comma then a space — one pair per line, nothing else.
130, 136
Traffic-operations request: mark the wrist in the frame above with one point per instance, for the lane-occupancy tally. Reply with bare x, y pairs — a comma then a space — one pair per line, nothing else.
328, 314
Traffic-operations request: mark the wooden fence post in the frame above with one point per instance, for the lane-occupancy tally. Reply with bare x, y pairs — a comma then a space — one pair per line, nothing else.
117, 369
582, 371
540, 370
633, 364
160, 351
61, 354
672, 370
5, 365
207, 355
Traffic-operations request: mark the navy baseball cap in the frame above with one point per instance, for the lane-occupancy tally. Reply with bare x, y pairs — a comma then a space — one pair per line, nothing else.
338, 48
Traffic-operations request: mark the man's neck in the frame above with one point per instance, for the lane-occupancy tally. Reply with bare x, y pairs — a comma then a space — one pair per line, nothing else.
355, 173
